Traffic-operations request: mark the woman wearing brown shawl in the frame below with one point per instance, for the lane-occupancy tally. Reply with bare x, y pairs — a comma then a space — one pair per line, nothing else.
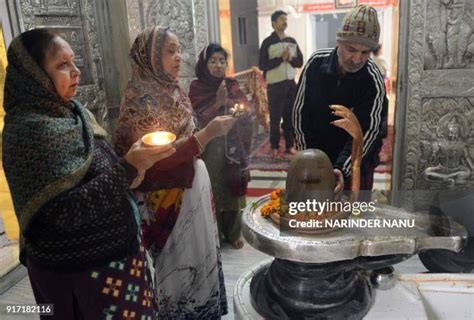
179, 225
79, 235
226, 157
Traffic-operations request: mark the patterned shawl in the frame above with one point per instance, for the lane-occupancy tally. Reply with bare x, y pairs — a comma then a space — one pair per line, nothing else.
152, 100
47, 142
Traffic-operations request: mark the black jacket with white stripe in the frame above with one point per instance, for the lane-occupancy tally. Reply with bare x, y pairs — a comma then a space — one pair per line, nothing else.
320, 86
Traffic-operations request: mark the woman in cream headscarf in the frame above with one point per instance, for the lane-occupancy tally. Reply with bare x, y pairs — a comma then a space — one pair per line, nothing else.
179, 225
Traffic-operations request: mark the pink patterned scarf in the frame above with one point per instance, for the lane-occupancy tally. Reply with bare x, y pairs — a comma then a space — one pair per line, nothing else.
152, 100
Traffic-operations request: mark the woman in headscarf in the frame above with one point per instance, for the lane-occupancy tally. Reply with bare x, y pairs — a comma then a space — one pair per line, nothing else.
179, 226
79, 237
226, 157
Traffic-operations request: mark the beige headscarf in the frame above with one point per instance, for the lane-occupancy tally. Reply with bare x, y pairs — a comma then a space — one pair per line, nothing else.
152, 100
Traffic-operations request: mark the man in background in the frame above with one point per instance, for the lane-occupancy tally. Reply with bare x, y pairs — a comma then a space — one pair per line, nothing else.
279, 56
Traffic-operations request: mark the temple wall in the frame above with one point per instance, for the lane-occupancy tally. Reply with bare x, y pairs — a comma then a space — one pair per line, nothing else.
434, 143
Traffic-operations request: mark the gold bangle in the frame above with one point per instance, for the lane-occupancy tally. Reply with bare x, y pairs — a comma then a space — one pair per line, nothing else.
200, 147
138, 180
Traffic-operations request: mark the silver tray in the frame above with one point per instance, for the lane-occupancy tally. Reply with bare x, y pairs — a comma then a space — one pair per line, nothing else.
349, 243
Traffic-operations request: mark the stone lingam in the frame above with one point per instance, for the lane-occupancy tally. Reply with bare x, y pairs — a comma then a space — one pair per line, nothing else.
326, 275
310, 177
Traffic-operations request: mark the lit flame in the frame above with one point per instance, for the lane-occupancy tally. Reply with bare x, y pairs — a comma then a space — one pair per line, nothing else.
239, 107
160, 138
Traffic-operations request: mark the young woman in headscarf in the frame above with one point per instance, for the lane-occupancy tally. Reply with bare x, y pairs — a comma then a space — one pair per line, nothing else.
79, 237
179, 224
213, 94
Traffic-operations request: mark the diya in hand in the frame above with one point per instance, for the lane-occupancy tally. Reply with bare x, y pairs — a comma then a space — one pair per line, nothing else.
159, 138
162, 139
238, 110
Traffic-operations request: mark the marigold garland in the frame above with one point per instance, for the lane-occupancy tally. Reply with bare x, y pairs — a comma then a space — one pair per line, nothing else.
273, 205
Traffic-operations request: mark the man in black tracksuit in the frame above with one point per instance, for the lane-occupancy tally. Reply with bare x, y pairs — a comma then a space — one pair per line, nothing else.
279, 56
347, 77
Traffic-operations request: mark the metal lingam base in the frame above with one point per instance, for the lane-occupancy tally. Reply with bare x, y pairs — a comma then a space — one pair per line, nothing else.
412, 296
293, 290
336, 290
323, 276
350, 243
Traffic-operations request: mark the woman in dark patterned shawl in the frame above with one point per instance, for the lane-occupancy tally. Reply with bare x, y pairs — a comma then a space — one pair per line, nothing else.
226, 157
78, 222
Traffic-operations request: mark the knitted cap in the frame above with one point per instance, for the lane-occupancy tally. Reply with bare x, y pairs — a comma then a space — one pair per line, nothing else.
360, 25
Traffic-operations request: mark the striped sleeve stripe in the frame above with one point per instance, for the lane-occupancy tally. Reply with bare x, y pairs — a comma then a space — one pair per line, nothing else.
375, 115
374, 71
299, 100
379, 100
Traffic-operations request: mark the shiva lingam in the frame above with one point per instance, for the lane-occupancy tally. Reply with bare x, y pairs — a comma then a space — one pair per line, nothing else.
311, 178
326, 275
310, 181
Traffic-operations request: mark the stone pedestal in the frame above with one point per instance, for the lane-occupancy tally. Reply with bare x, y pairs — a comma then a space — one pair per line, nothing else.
323, 276
297, 290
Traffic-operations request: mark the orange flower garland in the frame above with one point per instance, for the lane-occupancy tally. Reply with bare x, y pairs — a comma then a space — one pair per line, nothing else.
273, 205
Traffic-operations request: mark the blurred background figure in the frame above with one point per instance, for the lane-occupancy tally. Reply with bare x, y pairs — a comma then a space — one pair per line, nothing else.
382, 65
226, 157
